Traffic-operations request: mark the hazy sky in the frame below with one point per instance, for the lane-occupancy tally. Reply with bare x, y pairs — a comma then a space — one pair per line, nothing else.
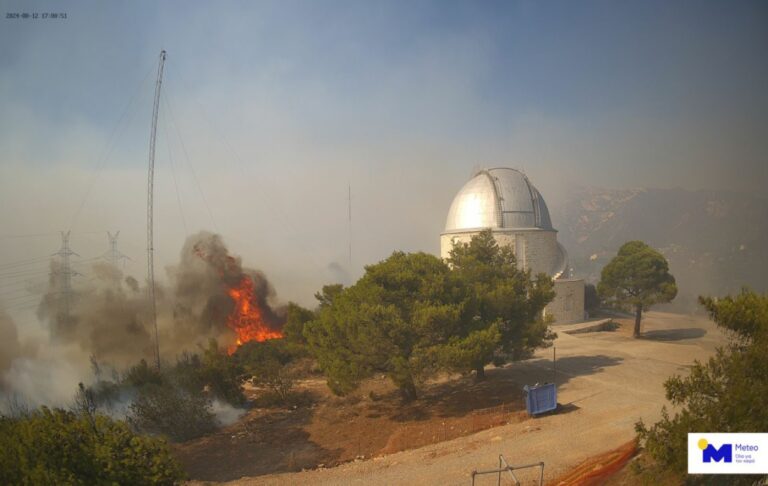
272, 108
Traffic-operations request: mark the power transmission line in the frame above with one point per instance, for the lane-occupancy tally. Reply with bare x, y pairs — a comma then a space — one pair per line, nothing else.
108, 148
22, 263
31, 235
276, 209
173, 170
189, 163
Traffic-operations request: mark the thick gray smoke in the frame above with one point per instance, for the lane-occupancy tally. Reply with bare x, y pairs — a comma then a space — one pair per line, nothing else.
33, 373
201, 302
10, 348
107, 319
105, 316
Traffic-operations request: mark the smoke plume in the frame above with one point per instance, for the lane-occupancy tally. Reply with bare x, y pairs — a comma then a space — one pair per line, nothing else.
106, 318
201, 285
10, 348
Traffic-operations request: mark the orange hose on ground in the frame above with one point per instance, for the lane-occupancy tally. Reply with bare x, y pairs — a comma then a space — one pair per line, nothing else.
596, 470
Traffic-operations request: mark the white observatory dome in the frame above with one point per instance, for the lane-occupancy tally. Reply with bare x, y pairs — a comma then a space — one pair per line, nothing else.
498, 198
505, 201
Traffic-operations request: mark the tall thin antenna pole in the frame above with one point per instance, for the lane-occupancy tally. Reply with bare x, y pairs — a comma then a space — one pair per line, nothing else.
349, 202
150, 196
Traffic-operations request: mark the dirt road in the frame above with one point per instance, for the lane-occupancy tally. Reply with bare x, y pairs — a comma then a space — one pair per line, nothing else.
606, 382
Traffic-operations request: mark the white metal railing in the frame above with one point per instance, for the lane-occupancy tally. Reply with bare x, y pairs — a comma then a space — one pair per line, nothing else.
504, 467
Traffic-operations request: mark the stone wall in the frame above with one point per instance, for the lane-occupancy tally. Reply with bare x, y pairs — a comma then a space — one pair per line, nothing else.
568, 305
535, 248
541, 252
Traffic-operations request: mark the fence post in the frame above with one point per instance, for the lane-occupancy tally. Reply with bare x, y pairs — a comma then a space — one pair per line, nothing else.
554, 365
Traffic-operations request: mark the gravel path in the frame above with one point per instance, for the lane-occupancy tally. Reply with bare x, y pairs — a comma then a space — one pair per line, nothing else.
606, 382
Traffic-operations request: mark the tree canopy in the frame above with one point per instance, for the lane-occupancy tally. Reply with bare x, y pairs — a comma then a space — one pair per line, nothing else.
297, 317
413, 314
591, 299
53, 446
387, 322
502, 318
637, 278
727, 393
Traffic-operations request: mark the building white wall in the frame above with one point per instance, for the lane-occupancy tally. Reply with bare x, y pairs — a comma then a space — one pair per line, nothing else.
535, 249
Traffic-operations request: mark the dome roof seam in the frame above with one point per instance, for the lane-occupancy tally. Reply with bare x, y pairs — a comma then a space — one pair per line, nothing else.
511, 201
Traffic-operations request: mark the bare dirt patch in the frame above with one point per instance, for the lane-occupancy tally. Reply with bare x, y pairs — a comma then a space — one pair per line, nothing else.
263, 441
324, 430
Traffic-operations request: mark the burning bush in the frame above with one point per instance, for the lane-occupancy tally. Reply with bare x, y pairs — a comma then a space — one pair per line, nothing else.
210, 295
218, 298
271, 363
246, 318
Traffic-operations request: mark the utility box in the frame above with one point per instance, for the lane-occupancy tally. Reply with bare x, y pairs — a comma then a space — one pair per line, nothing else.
540, 398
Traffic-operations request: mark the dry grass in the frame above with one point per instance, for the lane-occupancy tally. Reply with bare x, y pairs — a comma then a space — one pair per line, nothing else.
413, 435
325, 430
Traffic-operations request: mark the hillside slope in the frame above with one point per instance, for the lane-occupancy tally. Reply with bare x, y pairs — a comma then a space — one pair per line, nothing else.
715, 241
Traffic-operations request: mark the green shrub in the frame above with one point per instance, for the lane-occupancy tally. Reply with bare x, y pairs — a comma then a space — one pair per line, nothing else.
54, 446
726, 393
174, 401
175, 413
222, 374
267, 363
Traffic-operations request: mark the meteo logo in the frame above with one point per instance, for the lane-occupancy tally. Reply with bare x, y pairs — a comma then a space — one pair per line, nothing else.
727, 453
710, 453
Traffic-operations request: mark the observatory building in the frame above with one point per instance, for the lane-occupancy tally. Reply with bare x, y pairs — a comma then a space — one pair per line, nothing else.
505, 201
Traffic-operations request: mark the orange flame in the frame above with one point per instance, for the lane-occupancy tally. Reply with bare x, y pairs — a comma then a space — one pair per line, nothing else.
245, 318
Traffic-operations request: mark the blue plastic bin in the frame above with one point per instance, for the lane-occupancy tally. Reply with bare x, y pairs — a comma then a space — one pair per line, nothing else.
540, 398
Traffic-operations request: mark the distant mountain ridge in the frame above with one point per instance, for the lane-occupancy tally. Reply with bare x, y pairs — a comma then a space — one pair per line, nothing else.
715, 241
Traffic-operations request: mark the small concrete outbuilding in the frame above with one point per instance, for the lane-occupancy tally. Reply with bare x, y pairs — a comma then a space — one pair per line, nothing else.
505, 201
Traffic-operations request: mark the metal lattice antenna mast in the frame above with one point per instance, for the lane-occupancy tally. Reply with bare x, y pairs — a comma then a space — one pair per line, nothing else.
150, 195
65, 278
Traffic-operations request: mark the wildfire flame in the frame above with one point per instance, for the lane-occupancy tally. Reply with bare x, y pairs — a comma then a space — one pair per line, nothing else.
245, 318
